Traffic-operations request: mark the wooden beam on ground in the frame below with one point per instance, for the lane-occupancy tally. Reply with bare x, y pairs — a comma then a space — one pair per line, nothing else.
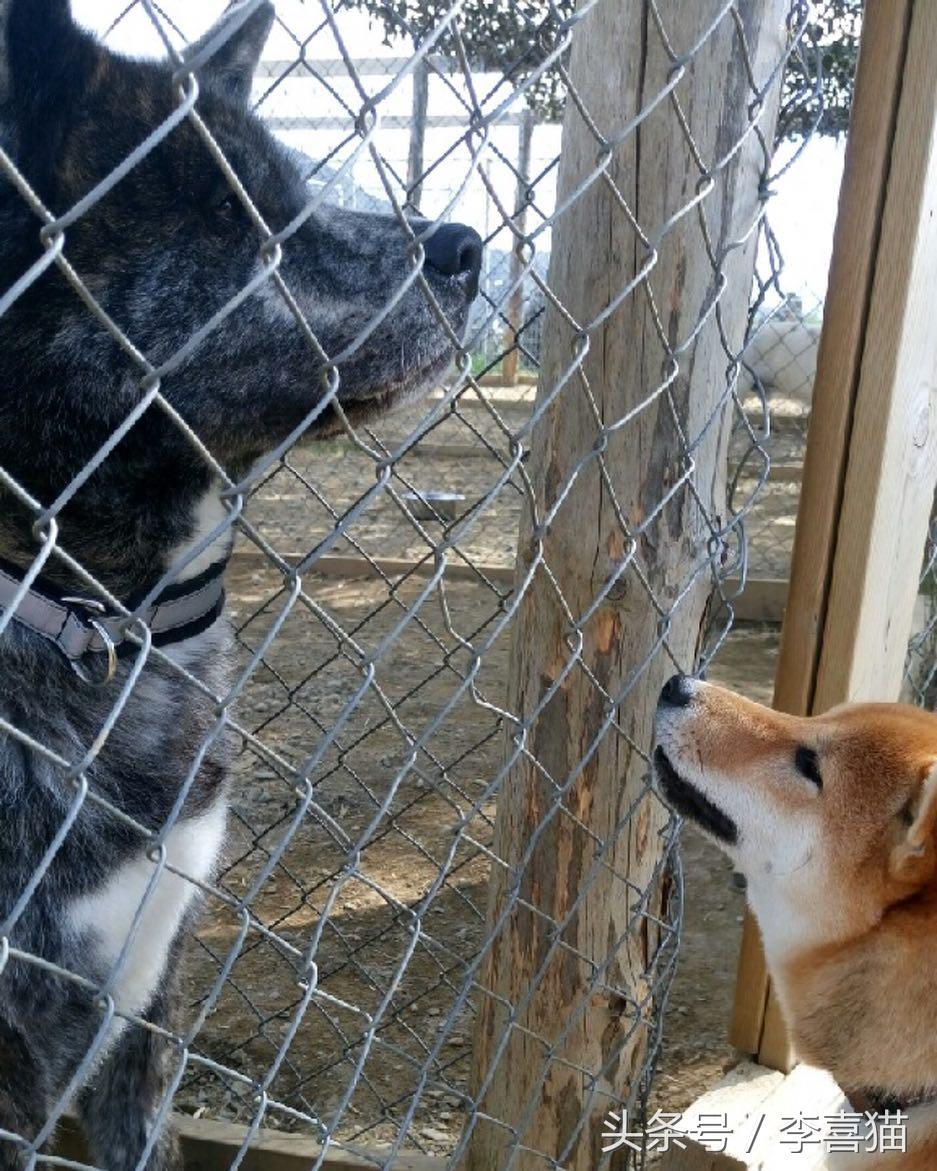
354, 565
762, 600
871, 460
212, 1146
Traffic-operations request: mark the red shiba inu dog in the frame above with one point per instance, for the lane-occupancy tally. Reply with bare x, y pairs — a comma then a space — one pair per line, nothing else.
833, 822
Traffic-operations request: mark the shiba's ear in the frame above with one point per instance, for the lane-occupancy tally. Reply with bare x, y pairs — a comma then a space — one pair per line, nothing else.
47, 60
231, 65
914, 854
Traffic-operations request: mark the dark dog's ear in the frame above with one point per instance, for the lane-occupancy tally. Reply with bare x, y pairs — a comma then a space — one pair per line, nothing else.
231, 66
47, 58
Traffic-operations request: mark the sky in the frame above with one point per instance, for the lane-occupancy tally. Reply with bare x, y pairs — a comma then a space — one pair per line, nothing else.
802, 210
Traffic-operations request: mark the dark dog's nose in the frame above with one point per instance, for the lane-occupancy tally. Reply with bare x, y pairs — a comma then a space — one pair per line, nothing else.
677, 692
456, 250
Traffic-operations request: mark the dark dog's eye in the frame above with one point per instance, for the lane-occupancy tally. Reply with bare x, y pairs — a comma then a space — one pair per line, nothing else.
807, 764
229, 206
224, 204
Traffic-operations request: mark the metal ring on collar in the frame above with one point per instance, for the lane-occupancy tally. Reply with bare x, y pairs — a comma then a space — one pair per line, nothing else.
110, 649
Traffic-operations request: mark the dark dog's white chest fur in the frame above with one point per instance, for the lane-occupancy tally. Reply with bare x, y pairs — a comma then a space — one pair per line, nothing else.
133, 917
130, 920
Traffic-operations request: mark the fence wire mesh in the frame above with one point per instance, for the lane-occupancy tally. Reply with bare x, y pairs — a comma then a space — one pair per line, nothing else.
920, 681
335, 972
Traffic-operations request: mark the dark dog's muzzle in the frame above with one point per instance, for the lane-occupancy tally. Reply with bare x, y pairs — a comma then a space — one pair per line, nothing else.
455, 250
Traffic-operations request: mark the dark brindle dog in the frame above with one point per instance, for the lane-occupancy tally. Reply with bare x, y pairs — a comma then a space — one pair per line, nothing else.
162, 252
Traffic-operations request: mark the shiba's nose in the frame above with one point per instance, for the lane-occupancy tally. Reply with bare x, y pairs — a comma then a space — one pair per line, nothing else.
456, 250
676, 692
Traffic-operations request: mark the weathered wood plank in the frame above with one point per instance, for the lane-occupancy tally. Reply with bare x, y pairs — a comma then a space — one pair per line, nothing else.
892, 468
212, 1146
856, 252
762, 600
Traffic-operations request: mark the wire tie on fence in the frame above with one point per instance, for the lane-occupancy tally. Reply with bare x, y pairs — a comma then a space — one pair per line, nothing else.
45, 535
51, 235
309, 977
331, 379
133, 623
705, 183
105, 1003
604, 156
361, 120
157, 852
270, 253
416, 253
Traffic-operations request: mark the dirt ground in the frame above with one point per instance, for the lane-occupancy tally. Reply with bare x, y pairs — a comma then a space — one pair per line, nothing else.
351, 974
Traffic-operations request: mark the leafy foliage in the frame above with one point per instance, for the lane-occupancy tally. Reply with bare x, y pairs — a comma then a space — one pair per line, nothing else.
514, 37
818, 84
508, 37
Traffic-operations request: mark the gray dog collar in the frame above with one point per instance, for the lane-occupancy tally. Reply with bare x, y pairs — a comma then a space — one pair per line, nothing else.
80, 626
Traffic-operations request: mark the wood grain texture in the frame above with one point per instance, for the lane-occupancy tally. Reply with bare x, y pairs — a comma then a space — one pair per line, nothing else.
212, 1146
846, 309
580, 938
762, 600
892, 468
751, 991
855, 259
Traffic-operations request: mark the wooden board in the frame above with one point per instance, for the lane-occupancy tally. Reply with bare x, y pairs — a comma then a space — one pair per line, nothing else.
762, 600
892, 468
858, 249
212, 1146
852, 269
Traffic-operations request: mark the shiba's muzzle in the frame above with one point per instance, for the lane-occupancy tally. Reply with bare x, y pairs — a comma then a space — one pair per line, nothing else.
675, 705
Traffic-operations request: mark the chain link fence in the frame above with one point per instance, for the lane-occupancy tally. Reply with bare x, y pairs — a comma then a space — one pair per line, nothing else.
920, 684
447, 910
780, 366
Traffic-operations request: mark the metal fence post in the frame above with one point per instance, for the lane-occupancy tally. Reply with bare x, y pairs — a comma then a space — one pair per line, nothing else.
611, 546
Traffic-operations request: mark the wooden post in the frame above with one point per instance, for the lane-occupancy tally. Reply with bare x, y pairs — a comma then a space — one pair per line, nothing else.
569, 951
871, 461
515, 313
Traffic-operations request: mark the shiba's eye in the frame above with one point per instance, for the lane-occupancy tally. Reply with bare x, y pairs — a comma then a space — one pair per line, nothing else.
807, 764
